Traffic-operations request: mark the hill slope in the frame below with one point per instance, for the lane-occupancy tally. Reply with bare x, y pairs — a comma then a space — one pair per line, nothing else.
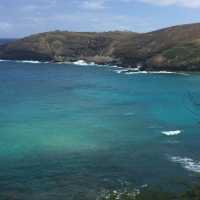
64, 46
177, 48
174, 48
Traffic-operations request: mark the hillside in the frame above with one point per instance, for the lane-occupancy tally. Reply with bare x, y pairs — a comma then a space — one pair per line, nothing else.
174, 48
177, 48
65, 46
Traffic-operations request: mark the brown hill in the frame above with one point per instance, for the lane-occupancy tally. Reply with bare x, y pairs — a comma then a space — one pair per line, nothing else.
64, 46
174, 48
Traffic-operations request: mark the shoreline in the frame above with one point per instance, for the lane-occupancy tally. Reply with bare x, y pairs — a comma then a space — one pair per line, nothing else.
122, 68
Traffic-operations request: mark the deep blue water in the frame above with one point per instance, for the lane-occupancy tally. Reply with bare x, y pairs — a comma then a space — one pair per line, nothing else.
68, 132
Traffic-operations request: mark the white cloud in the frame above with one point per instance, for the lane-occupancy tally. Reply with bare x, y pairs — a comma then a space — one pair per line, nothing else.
100, 4
184, 3
5, 26
43, 5
93, 4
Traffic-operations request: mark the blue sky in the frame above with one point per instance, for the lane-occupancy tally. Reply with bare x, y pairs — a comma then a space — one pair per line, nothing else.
20, 18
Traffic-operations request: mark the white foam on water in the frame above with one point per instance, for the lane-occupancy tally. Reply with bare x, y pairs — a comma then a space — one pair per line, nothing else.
136, 72
153, 72
129, 114
187, 163
3, 60
171, 133
119, 71
168, 72
29, 61
25, 61
115, 66
82, 63
128, 70
163, 72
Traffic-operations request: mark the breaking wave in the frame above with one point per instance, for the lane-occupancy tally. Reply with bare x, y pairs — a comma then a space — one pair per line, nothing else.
82, 63
171, 133
1, 60
187, 163
29, 61
25, 61
132, 71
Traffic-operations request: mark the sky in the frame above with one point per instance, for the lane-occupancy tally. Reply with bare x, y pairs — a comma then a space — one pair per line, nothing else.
19, 18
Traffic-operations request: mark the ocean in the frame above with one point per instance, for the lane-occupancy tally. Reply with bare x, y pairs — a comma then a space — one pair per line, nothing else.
71, 131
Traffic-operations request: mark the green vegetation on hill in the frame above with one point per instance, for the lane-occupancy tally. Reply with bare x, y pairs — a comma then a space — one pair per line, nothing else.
185, 54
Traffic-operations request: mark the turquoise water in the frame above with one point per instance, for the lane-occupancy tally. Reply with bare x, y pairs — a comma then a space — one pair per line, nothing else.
68, 132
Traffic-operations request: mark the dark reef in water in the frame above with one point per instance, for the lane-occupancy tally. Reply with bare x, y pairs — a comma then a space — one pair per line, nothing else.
175, 48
